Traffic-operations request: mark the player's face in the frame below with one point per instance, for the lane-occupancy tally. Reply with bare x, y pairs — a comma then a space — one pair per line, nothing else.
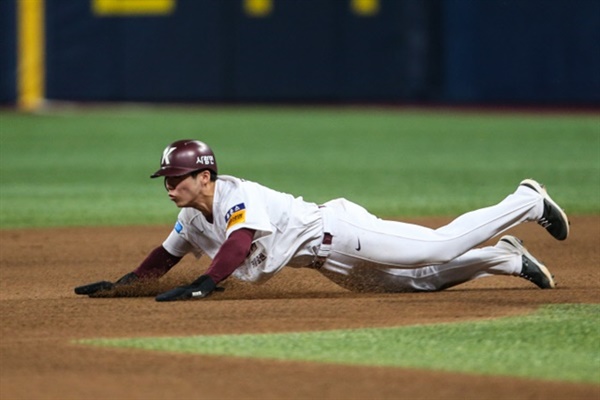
182, 189
185, 190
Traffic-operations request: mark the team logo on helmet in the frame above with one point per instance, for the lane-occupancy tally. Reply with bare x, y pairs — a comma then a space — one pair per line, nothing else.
165, 158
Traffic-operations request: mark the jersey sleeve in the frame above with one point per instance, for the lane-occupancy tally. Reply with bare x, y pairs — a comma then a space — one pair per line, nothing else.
248, 214
242, 204
176, 244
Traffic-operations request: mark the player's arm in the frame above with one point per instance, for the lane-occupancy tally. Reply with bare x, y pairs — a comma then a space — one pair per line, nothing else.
155, 265
230, 256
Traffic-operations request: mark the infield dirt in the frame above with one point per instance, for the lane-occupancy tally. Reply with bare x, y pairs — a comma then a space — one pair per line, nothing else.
41, 317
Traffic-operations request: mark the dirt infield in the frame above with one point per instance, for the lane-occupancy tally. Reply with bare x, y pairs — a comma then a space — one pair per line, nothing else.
40, 317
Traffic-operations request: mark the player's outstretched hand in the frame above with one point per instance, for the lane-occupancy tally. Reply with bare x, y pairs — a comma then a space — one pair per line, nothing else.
106, 288
199, 289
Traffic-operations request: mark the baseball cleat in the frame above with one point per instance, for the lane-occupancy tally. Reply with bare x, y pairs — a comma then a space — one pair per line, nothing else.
554, 218
532, 269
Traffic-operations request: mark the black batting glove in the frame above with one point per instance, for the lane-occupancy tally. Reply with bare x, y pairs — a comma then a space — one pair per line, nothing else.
106, 288
199, 289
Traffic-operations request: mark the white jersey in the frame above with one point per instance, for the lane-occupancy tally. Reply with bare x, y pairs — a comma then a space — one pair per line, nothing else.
286, 228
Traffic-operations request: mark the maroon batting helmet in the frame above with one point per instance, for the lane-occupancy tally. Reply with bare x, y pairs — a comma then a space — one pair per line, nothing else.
184, 157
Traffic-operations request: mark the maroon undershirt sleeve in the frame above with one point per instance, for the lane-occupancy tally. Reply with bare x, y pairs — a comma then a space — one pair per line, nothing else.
231, 254
156, 264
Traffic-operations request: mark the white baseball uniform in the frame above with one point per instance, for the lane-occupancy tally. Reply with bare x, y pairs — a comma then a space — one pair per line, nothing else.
350, 246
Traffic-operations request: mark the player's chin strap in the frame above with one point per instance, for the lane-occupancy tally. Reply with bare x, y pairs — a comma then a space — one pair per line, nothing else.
325, 248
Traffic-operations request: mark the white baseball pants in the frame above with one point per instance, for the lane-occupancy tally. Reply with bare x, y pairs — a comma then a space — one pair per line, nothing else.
375, 255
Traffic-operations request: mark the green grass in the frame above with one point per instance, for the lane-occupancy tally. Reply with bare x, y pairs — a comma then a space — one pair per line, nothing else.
558, 342
92, 166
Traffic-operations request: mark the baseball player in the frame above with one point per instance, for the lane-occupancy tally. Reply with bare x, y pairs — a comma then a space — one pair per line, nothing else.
251, 232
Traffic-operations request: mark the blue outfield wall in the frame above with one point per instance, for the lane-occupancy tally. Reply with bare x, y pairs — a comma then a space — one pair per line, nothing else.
8, 51
467, 51
212, 50
143, 58
545, 51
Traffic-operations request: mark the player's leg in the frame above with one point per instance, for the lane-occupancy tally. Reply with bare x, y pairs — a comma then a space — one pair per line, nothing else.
507, 257
408, 245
